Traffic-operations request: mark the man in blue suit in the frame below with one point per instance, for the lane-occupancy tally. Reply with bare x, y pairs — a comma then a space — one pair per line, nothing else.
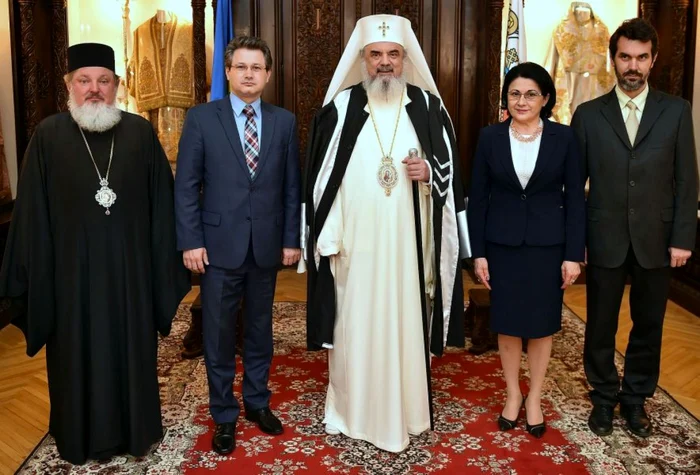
243, 154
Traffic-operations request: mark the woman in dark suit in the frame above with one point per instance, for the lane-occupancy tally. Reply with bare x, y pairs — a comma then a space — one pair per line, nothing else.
526, 215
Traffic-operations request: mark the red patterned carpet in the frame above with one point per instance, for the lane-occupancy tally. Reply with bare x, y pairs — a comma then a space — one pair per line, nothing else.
468, 396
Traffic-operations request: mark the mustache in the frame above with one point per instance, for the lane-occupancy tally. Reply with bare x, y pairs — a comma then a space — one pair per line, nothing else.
94, 95
633, 73
385, 69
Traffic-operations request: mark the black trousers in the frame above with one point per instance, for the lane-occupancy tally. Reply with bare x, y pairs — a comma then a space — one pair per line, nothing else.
648, 296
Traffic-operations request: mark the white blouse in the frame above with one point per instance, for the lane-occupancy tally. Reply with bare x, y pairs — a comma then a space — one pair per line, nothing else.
524, 156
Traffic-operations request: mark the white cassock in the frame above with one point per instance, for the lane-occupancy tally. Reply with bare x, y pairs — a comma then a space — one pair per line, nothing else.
378, 384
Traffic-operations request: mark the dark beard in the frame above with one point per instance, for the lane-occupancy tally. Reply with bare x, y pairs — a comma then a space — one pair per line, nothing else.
631, 83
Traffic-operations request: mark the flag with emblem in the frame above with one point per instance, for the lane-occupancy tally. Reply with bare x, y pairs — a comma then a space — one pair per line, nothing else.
515, 52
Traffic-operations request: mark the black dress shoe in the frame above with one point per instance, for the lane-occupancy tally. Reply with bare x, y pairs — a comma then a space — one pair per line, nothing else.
601, 419
266, 420
637, 419
506, 424
536, 430
224, 440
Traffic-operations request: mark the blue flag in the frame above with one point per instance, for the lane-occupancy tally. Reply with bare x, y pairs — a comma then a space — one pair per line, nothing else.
223, 33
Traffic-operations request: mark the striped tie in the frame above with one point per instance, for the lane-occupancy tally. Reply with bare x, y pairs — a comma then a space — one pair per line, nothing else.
252, 146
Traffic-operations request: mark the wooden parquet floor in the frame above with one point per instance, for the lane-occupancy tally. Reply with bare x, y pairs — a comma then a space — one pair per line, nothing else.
24, 400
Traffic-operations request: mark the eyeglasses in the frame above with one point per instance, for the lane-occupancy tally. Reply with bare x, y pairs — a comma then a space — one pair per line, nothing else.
242, 68
530, 96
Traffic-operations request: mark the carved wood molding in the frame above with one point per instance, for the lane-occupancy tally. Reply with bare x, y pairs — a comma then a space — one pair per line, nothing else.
30, 70
680, 22
493, 59
649, 9
59, 43
317, 54
358, 9
198, 51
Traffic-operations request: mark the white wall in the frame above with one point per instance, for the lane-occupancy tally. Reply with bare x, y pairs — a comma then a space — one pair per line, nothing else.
7, 103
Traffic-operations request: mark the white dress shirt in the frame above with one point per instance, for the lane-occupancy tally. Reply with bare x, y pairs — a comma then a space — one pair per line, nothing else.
639, 101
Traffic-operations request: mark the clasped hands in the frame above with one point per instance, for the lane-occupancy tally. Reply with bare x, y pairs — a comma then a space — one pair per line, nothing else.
196, 259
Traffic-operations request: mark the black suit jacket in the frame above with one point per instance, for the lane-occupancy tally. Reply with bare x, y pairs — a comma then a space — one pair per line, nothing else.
551, 208
645, 194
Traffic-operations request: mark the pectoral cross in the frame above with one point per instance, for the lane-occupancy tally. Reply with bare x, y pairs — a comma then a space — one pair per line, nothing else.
383, 27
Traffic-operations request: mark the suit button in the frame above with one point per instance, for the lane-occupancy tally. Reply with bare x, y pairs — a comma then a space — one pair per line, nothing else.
633, 156
523, 197
632, 183
632, 211
247, 218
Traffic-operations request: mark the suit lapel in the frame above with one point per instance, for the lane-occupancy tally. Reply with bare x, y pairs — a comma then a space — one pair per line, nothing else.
547, 144
229, 124
268, 129
613, 114
652, 109
504, 153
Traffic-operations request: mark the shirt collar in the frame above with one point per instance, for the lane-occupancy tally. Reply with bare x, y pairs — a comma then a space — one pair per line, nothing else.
638, 101
238, 104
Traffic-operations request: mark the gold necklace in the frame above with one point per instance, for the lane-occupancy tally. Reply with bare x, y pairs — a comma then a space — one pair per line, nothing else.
526, 138
387, 175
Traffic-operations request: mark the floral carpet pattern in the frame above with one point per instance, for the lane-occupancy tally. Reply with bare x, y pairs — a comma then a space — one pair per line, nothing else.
468, 394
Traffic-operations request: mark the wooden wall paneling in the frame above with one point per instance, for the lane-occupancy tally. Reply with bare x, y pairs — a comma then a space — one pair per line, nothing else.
30, 71
198, 51
365, 7
648, 10
447, 32
679, 9
427, 29
493, 59
242, 17
318, 42
467, 122
690, 41
269, 27
349, 18
37, 87
59, 43
289, 73
674, 20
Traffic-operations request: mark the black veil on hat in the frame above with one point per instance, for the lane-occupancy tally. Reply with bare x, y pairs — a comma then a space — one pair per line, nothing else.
83, 55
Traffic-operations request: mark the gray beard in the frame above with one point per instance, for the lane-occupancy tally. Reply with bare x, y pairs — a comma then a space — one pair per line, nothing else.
387, 89
94, 117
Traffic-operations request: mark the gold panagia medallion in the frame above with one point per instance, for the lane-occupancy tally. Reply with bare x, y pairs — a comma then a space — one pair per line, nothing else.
387, 175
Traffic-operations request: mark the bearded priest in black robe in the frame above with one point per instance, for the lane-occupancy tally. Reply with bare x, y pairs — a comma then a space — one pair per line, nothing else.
91, 262
384, 231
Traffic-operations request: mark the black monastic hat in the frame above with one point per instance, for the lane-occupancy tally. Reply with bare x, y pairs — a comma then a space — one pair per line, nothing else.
83, 55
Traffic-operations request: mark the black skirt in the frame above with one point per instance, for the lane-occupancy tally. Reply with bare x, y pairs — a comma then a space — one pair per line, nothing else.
526, 294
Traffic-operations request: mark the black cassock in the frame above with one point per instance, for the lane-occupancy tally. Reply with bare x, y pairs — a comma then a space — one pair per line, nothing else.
94, 288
